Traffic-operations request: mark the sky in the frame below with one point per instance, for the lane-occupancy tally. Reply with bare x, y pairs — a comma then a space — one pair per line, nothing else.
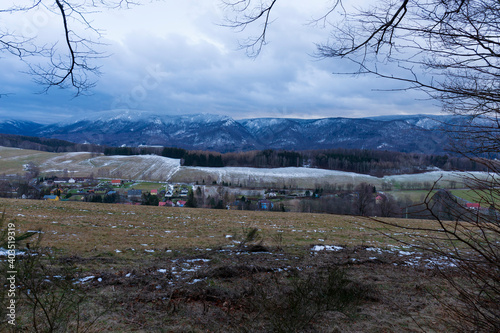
175, 57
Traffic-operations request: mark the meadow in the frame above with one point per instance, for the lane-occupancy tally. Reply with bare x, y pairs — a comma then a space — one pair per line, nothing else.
158, 269
88, 228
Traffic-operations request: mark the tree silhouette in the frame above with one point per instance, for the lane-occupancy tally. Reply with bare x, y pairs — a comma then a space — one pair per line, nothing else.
450, 50
68, 61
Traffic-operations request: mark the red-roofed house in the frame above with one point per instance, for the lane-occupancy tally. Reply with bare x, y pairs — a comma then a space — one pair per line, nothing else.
154, 192
181, 203
473, 206
116, 182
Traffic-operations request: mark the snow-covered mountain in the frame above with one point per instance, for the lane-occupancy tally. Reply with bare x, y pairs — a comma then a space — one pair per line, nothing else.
20, 127
223, 133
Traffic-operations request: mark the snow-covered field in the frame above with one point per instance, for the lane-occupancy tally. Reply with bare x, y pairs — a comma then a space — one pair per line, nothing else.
309, 177
277, 177
143, 167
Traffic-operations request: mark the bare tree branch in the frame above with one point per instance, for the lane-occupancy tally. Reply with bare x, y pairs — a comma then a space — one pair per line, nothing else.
450, 50
69, 66
262, 11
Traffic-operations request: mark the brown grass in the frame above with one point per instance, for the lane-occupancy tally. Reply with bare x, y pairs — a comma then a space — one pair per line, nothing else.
89, 228
197, 280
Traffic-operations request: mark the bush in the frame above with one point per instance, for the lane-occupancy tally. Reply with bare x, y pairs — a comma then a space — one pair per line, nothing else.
295, 305
48, 297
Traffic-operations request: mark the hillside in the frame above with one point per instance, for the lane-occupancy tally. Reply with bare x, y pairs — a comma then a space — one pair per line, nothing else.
158, 168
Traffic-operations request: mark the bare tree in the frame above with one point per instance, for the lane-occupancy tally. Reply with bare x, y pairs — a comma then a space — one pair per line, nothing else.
450, 50
67, 62
364, 200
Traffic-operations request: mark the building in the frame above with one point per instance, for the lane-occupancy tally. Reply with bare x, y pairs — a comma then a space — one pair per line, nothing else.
62, 180
473, 206
265, 205
134, 194
51, 197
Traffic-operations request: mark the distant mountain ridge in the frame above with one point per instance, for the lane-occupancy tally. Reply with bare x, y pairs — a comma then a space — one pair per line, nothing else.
413, 134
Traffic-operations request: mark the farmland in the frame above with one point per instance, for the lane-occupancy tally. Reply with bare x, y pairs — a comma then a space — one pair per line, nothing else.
200, 271
157, 168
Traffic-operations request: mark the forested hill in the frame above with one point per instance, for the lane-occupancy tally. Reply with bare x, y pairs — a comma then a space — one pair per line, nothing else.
371, 162
45, 144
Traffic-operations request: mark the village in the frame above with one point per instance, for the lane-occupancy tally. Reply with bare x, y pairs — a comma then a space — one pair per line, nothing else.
88, 189
363, 199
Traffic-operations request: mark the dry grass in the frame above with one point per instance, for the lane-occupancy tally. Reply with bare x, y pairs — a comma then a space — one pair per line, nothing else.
13, 159
89, 228
177, 269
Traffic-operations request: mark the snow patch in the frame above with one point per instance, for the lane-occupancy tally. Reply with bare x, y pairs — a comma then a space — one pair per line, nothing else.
318, 248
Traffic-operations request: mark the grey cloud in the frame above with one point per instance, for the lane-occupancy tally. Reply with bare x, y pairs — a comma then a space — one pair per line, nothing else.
200, 70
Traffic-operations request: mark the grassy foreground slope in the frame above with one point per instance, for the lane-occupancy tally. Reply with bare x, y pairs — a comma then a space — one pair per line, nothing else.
88, 228
157, 269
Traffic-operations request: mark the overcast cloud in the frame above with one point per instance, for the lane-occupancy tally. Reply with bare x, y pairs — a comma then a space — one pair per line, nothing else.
173, 57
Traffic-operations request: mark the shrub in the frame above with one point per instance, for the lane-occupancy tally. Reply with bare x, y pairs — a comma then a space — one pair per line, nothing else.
295, 305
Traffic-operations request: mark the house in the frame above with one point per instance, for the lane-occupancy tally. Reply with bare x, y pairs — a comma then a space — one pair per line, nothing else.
154, 192
169, 193
62, 180
265, 204
272, 194
380, 199
51, 197
181, 203
134, 194
167, 203
116, 182
473, 206
184, 192
48, 182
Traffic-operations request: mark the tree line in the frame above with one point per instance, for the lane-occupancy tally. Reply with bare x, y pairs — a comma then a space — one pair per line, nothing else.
371, 162
45, 144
